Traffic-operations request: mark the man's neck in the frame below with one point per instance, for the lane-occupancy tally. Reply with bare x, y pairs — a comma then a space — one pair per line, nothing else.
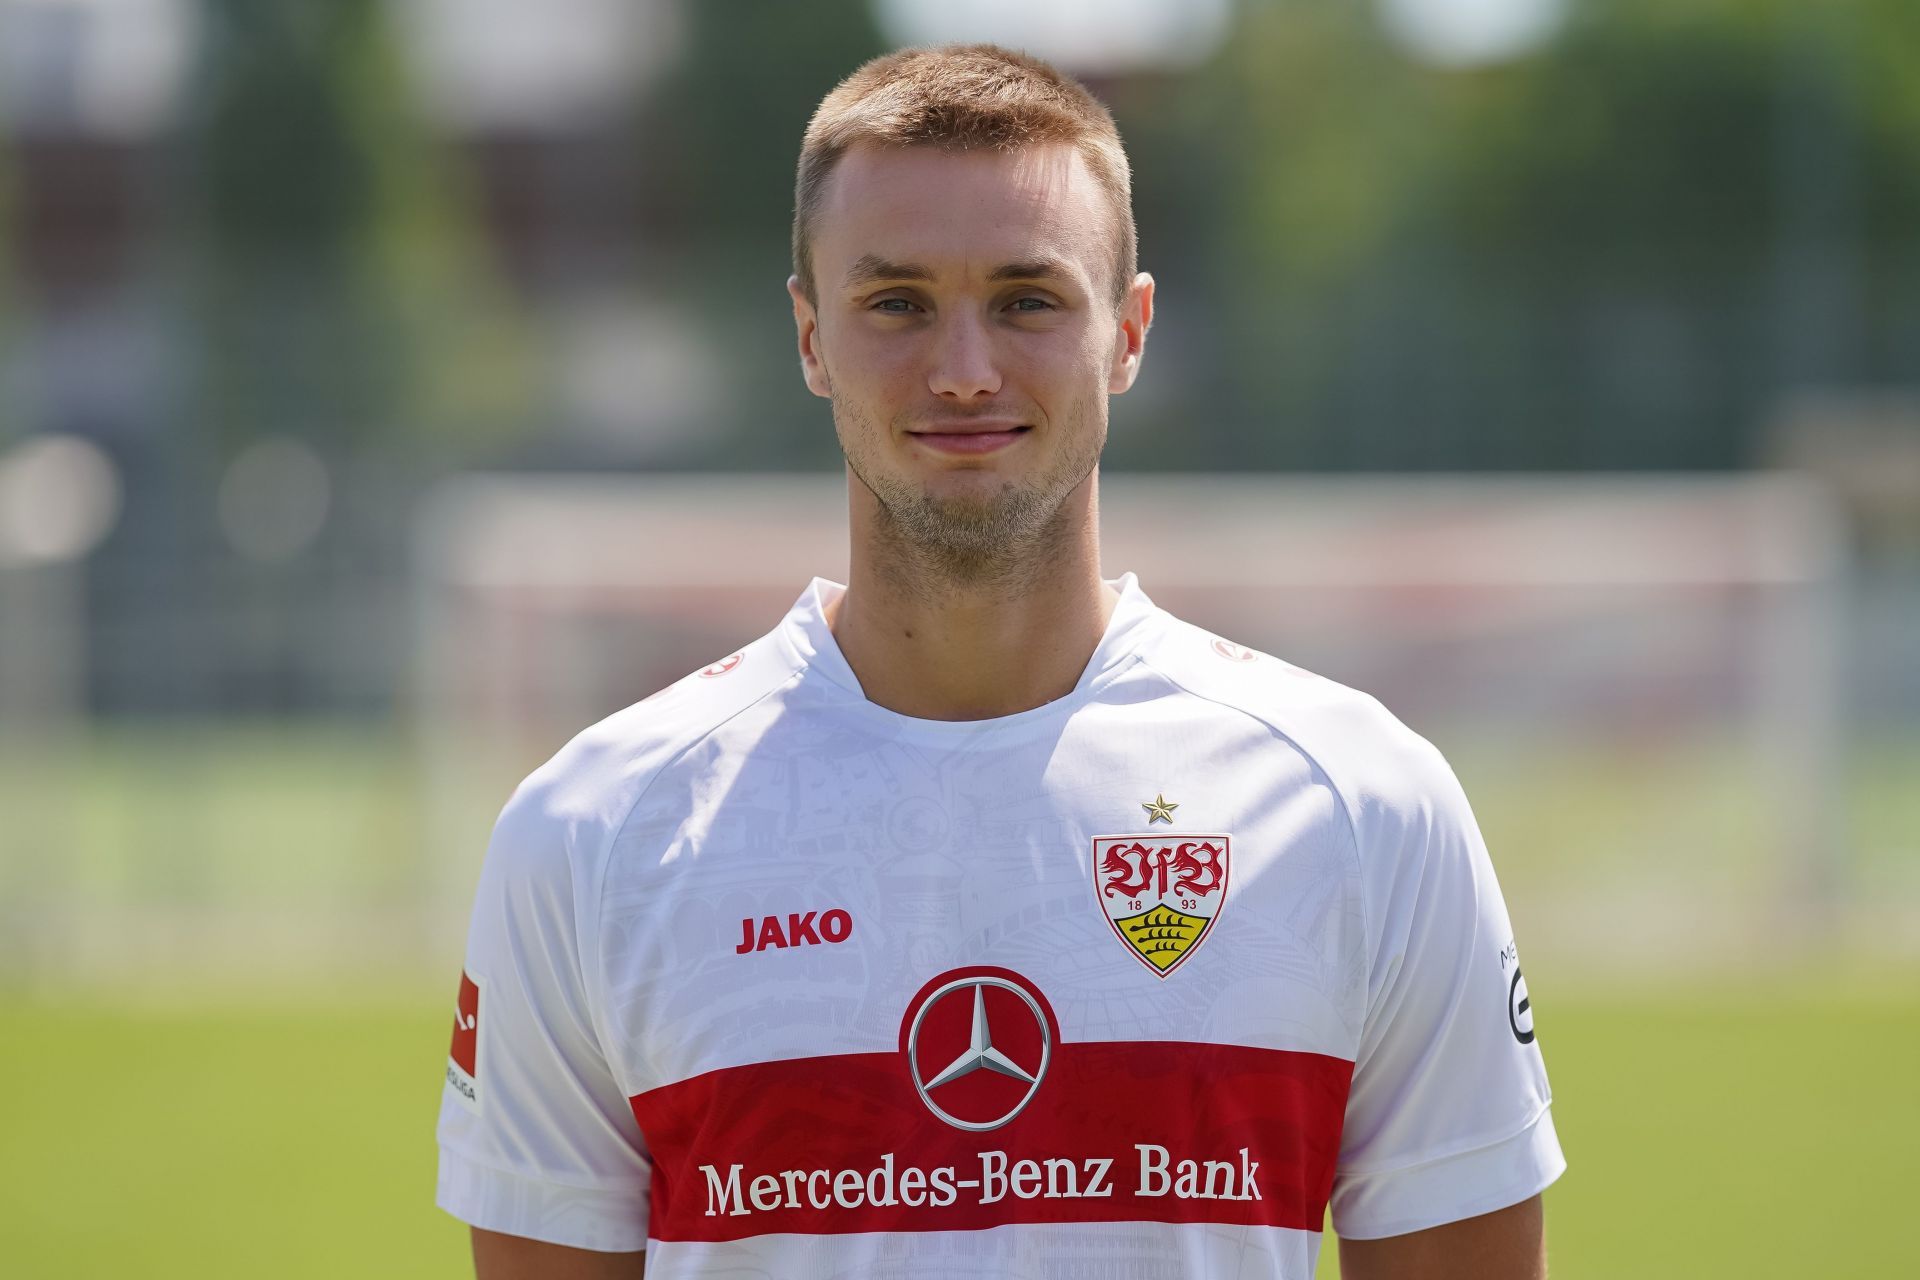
943, 650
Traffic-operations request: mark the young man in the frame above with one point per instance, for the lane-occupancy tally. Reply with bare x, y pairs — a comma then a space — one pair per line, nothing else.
983, 919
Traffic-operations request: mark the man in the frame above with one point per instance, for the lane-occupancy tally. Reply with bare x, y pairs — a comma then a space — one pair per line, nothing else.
983, 919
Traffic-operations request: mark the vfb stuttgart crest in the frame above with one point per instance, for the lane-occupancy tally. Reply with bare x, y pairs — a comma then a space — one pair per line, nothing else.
1161, 893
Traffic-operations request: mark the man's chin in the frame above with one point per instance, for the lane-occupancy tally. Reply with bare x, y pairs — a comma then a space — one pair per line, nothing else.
959, 518
976, 496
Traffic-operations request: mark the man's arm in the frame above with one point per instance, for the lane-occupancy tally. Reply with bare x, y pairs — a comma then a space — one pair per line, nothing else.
1507, 1244
504, 1257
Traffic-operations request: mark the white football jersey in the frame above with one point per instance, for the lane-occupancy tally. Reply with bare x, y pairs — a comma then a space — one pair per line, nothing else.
771, 981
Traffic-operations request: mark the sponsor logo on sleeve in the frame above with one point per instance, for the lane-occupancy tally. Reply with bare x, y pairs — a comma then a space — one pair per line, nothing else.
463, 1058
1519, 1007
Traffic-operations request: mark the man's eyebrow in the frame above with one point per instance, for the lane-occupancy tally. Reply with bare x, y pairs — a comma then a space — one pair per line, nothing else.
1038, 269
871, 268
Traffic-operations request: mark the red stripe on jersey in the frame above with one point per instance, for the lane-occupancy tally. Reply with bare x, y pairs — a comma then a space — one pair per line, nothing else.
1223, 1133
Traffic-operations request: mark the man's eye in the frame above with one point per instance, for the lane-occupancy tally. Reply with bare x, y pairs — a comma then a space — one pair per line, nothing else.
1037, 305
894, 306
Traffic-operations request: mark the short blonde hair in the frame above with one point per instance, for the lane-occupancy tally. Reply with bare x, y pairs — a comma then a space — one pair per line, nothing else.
961, 96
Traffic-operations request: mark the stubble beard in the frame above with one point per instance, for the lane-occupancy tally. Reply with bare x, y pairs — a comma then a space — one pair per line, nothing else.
929, 544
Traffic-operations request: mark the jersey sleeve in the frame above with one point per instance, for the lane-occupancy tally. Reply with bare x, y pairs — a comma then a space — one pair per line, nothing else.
1448, 1113
536, 1137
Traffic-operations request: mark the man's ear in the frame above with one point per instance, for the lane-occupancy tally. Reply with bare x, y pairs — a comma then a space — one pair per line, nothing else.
1130, 339
806, 324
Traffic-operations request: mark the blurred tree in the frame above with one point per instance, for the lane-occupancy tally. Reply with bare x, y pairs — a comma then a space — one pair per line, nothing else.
471, 381
346, 296
12, 422
286, 204
1572, 260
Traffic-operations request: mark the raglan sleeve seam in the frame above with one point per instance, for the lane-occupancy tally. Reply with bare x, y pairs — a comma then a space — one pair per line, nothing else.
595, 917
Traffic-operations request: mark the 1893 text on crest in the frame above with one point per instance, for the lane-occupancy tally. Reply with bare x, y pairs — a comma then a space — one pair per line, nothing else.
1161, 892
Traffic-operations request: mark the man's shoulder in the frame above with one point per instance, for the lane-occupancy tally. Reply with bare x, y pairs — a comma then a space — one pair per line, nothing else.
1368, 755
589, 785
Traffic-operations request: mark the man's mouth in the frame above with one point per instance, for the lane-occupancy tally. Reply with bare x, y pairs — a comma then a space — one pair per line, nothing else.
971, 437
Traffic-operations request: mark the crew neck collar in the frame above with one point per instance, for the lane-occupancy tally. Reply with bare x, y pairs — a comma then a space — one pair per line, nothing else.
805, 632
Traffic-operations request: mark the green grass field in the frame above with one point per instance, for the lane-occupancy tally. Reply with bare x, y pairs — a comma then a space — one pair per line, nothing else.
1742, 1133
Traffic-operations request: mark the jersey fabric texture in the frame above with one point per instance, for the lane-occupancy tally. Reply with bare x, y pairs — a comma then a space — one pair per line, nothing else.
769, 980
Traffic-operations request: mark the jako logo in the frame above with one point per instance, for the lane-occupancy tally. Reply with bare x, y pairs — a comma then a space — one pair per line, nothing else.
835, 926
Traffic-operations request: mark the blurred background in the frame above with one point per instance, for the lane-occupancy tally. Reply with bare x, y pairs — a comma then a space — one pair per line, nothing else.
389, 388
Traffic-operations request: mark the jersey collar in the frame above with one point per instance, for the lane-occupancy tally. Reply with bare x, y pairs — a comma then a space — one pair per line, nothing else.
805, 631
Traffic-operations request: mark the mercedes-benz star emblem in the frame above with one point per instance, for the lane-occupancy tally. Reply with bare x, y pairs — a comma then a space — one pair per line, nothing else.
938, 1027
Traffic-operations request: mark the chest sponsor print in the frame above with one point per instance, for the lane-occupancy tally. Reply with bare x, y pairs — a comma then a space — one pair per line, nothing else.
986, 1114
1161, 893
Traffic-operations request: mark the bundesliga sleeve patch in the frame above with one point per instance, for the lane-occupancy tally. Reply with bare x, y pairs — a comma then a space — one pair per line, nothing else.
463, 1058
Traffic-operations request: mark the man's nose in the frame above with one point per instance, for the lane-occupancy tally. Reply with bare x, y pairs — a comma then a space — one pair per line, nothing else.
963, 364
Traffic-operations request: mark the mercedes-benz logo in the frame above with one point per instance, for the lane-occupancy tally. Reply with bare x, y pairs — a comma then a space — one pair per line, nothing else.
958, 1042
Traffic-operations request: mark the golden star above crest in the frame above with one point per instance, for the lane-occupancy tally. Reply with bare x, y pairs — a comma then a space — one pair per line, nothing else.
1159, 809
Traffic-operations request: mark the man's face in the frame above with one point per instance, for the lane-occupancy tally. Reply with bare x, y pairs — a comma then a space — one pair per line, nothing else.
967, 335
